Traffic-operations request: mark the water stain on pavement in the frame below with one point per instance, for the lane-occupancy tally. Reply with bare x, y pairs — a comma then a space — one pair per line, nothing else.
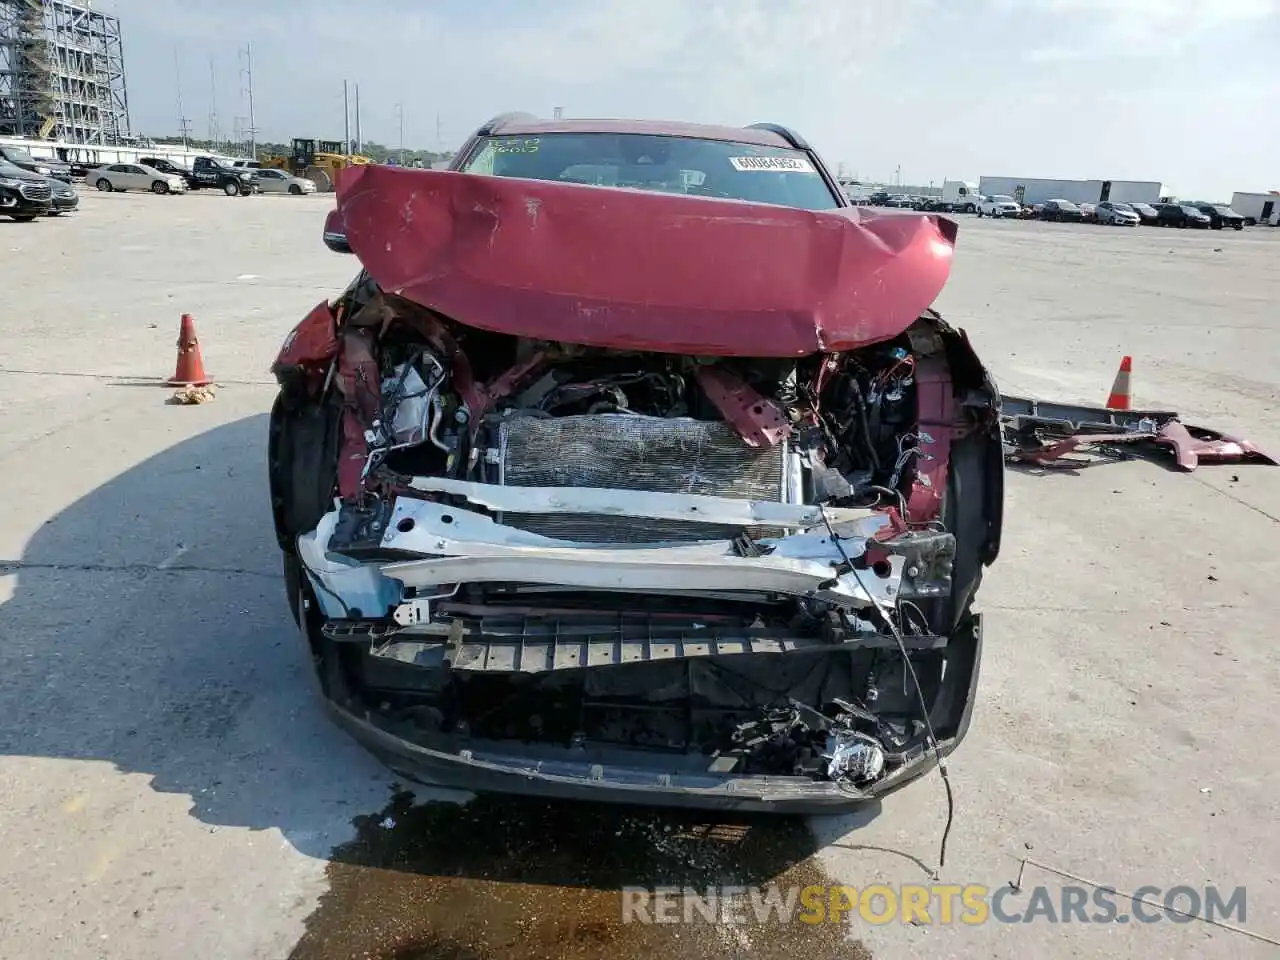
517, 879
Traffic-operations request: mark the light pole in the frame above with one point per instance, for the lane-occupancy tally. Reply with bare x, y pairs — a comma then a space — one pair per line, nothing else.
248, 74
400, 115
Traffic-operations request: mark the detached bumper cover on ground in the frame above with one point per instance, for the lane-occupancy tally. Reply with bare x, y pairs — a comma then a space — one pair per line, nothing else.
644, 531
1044, 434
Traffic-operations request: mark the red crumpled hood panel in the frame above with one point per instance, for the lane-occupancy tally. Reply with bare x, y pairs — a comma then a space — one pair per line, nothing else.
640, 270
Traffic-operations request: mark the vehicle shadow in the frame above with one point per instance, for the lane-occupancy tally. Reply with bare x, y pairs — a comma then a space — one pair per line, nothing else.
148, 628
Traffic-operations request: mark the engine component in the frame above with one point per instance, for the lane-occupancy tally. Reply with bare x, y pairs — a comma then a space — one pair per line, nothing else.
632, 452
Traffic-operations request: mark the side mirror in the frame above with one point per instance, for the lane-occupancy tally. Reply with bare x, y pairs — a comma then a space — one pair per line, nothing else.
335, 233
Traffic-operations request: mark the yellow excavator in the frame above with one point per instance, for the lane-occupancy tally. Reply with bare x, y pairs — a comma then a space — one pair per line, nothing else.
317, 160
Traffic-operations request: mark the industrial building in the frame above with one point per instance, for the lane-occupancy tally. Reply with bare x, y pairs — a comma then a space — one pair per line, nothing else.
1028, 190
62, 73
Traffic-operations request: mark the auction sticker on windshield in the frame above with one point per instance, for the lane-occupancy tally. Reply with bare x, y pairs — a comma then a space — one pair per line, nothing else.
772, 164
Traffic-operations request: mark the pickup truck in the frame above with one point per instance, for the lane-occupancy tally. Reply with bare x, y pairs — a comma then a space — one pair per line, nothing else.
167, 166
999, 206
218, 174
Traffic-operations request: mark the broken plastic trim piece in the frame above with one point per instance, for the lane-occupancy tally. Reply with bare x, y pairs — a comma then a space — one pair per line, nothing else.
1042, 433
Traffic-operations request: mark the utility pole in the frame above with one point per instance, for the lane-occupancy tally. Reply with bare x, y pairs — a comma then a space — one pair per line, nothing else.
346, 120
247, 73
439, 135
897, 175
400, 115
557, 113
359, 140
213, 107
183, 123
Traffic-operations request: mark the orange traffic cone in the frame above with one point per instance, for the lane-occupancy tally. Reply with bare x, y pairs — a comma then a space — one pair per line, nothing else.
190, 369
1119, 398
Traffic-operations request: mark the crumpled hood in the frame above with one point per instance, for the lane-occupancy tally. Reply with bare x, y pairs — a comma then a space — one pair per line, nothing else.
639, 270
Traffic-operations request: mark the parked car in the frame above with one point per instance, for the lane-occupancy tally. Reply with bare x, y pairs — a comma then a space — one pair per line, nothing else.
135, 176
210, 172
278, 181
1182, 215
23, 195
900, 201
167, 166
1089, 211
63, 199
1061, 211
1119, 214
998, 206
535, 670
879, 199
1148, 215
1220, 215
44, 167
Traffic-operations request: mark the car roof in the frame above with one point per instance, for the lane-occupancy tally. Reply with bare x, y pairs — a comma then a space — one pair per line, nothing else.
529, 126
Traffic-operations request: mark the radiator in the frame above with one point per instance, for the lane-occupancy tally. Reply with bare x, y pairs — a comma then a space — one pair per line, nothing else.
628, 452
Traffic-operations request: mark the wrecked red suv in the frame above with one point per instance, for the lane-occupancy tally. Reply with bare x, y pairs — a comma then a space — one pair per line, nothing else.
634, 465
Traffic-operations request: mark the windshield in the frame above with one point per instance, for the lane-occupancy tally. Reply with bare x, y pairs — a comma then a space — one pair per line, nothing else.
1226, 211
664, 164
1065, 204
1193, 210
1123, 207
1001, 198
18, 155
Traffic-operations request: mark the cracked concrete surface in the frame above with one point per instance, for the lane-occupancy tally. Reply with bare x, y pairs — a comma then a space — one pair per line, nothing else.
170, 787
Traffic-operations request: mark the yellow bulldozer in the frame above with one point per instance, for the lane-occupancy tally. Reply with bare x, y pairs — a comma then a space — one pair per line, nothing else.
317, 160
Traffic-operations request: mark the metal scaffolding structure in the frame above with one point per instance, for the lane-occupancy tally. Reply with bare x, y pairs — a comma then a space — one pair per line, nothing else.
62, 73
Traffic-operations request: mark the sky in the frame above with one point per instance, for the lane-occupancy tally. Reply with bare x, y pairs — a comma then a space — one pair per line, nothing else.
1186, 92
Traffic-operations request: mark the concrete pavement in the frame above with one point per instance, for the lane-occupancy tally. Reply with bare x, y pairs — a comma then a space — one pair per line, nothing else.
169, 785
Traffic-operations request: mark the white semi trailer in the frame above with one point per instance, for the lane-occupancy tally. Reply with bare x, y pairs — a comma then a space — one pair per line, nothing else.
1029, 190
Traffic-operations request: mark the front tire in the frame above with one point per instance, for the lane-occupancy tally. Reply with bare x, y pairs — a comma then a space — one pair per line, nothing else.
160, 187
104, 185
23, 217
295, 189
970, 208
231, 188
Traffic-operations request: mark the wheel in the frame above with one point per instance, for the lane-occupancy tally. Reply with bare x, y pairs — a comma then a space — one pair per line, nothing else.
23, 217
54, 213
295, 189
322, 180
160, 187
104, 185
231, 188
1239, 226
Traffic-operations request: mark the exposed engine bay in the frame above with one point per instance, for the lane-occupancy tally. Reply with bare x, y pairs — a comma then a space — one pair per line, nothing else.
652, 570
